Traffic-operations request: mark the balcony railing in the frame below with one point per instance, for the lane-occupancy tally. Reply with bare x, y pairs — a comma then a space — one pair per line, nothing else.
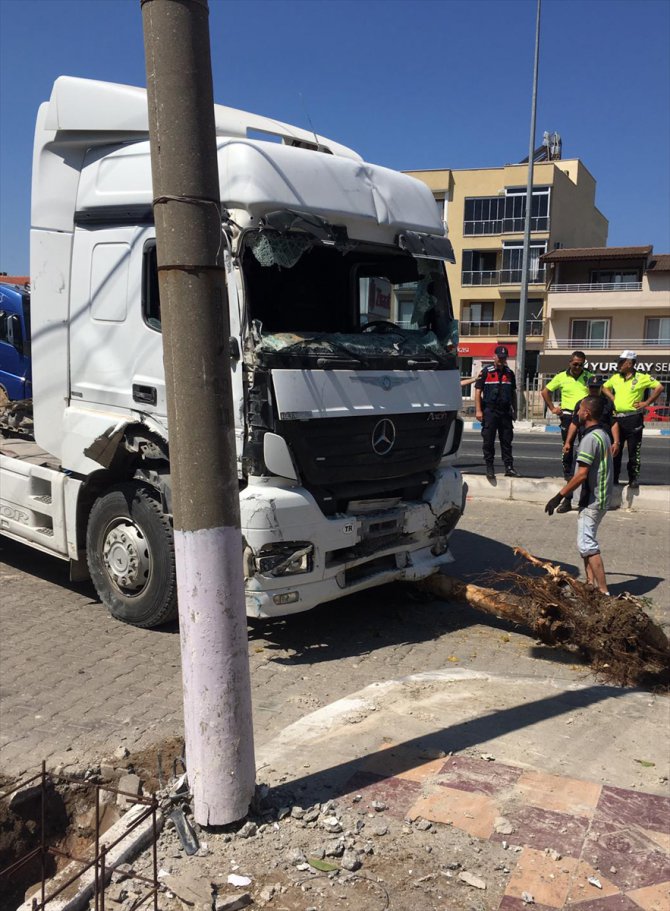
481, 278
500, 328
501, 277
617, 343
587, 287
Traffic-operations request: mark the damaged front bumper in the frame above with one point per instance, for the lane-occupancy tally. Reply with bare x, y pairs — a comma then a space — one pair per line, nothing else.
297, 558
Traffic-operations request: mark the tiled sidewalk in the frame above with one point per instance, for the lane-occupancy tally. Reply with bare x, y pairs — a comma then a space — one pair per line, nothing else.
617, 836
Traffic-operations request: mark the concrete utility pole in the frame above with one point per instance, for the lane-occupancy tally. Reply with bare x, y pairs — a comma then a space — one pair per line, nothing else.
203, 464
523, 299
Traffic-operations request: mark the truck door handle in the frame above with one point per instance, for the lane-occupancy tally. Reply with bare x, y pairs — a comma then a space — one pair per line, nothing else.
145, 394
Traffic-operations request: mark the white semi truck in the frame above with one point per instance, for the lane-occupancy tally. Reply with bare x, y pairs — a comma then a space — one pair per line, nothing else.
343, 360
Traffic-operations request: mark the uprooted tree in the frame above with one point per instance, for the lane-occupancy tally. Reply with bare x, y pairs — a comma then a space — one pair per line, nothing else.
614, 634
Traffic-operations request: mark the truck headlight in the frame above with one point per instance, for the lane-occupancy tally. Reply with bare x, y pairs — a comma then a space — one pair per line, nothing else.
285, 559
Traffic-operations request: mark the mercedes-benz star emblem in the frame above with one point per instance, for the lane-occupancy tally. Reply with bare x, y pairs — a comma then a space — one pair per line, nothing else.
383, 437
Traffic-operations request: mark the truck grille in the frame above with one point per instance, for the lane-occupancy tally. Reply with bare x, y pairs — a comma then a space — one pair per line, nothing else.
345, 457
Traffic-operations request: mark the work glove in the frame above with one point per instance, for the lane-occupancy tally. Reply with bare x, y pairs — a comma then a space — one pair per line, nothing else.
552, 504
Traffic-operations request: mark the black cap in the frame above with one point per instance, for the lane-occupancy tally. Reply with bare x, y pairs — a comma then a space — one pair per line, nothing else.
501, 351
596, 381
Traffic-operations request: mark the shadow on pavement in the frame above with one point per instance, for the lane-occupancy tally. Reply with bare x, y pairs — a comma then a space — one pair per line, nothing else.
336, 780
393, 614
638, 585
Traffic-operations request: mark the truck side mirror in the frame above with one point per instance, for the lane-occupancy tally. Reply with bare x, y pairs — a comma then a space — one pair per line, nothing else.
15, 333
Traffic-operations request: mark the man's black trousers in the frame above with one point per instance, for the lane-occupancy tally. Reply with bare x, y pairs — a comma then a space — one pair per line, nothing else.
630, 434
567, 457
500, 423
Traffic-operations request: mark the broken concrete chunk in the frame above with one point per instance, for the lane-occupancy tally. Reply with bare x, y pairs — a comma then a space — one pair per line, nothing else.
334, 848
527, 898
248, 830
331, 824
234, 879
132, 786
350, 861
594, 881
503, 826
232, 902
190, 888
471, 880
423, 825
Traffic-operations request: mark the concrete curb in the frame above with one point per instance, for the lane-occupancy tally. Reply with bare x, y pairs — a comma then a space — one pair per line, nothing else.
532, 427
539, 490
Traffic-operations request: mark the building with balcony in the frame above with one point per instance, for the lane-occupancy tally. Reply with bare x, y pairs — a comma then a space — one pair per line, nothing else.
604, 300
484, 210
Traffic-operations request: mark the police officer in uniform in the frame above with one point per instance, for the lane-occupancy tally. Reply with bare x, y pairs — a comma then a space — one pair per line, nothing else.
572, 385
495, 407
627, 390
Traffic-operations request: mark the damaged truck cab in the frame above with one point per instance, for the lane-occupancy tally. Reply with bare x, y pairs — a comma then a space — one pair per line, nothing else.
343, 361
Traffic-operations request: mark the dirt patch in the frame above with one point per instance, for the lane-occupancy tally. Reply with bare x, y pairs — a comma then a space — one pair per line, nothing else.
20, 833
156, 765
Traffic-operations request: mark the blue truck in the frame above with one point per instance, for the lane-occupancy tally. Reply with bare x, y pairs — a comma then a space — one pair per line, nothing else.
15, 369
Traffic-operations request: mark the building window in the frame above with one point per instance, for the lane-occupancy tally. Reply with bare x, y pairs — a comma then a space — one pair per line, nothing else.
657, 330
534, 313
590, 333
512, 260
477, 319
506, 214
614, 276
479, 267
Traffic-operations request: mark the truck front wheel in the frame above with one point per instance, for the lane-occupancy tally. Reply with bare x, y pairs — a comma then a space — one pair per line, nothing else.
130, 552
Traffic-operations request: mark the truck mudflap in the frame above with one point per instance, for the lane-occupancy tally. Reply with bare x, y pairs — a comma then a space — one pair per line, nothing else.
297, 558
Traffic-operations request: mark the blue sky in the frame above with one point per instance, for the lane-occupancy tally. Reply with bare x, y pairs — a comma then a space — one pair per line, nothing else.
408, 83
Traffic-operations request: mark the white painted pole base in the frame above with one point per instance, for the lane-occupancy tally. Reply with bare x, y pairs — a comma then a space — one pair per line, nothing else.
215, 667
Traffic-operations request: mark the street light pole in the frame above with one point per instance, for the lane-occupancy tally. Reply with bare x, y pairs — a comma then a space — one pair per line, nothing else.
523, 299
203, 463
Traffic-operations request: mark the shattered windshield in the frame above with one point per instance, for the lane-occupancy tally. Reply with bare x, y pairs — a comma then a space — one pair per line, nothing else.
347, 305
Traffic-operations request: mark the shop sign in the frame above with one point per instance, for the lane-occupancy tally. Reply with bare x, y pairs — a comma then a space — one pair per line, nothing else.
483, 349
605, 363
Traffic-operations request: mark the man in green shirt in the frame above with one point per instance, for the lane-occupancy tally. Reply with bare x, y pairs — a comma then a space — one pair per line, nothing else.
572, 384
627, 390
593, 473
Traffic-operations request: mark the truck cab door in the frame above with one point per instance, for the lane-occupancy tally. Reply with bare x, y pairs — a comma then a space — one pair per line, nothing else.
115, 346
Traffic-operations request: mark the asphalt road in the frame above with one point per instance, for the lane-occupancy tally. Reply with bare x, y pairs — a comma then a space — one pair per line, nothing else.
538, 455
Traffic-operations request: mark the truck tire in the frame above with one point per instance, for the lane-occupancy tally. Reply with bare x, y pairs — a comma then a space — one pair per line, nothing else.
130, 552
